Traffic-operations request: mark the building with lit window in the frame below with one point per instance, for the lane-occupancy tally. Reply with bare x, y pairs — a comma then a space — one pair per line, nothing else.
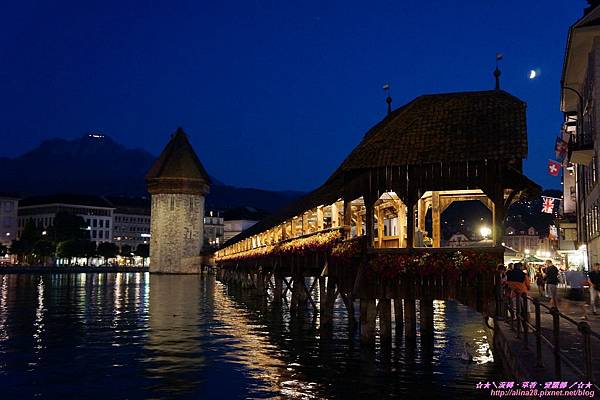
131, 220
9, 205
580, 95
528, 242
96, 211
213, 230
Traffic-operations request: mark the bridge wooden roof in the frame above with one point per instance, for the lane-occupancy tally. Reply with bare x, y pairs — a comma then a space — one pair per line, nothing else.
450, 127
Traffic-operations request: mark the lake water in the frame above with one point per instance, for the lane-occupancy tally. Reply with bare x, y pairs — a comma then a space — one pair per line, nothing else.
136, 336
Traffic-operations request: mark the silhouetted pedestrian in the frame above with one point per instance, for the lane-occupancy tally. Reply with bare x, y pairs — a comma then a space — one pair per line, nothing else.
594, 281
551, 276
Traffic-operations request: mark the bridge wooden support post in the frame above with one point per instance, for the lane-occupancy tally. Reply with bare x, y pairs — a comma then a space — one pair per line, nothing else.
245, 280
278, 288
302, 295
380, 226
398, 317
260, 283
385, 319
347, 219
349, 303
368, 319
421, 213
410, 319
369, 221
328, 294
325, 316
426, 316
296, 290
410, 223
436, 213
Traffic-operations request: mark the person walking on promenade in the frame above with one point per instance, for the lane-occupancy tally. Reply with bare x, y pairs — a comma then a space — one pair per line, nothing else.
551, 275
540, 281
530, 272
518, 283
594, 281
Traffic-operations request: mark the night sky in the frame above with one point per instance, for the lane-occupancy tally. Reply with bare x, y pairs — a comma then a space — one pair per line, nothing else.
272, 95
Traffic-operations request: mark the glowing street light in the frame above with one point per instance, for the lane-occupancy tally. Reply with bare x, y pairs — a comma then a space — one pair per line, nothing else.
485, 231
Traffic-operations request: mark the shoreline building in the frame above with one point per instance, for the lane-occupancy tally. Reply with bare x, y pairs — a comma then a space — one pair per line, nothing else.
96, 211
527, 241
177, 183
131, 220
9, 206
239, 219
213, 230
580, 94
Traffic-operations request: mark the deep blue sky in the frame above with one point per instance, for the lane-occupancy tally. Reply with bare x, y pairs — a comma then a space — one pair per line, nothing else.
272, 94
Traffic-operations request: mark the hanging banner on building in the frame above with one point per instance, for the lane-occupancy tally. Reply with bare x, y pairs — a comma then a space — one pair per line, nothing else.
553, 167
547, 204
560, 149
553, 233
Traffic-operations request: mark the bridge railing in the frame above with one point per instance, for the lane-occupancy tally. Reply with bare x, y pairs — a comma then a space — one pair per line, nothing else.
515, 308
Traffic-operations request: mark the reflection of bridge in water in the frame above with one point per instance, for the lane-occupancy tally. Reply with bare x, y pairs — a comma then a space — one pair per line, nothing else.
312, 363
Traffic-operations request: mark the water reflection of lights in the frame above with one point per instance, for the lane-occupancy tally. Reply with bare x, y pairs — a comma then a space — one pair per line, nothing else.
440, 327
117, 299
483, 353
252, 349
39, 317
3, 308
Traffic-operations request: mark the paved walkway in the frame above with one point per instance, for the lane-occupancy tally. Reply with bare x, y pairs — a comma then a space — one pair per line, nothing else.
571, 342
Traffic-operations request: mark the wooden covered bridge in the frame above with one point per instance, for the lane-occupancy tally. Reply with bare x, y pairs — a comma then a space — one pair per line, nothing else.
362, 234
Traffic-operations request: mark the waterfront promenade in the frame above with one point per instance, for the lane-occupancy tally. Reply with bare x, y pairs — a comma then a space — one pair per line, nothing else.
571, 342
41, 269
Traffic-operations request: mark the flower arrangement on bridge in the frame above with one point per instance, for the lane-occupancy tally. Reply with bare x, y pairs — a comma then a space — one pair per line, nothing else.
347, 252
450, 264
474, 262
317, 242
252, 254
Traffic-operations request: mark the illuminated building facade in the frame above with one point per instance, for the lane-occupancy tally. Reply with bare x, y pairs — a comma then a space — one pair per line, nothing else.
131, 221
9, 205
96, 211
579, 98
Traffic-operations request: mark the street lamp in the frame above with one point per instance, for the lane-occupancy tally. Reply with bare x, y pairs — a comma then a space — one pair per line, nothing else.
485, 231
580, 107
579, 125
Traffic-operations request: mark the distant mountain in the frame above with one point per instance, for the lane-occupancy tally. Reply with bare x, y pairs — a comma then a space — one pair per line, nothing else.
96, 164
